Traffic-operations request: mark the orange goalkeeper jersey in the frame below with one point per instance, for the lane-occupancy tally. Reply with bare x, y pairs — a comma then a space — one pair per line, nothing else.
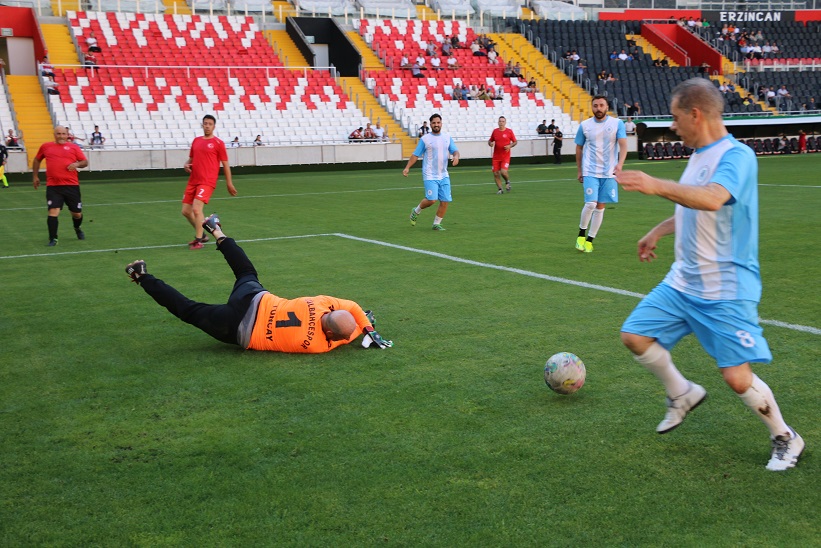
293, 325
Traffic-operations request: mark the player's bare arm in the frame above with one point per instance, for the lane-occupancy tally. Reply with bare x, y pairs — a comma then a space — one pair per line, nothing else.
647, 245
35, 167
511, 145
229, 182
412, 160
188, 164
455, 158
579, 151
706, 198
622, 155
79, 164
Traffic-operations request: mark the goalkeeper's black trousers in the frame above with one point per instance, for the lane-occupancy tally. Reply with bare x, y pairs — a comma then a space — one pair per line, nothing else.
221, 321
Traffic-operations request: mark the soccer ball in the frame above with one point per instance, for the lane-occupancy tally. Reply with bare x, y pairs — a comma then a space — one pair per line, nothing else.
564, 373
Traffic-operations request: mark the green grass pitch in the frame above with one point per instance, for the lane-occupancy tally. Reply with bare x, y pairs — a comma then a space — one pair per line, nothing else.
122, 426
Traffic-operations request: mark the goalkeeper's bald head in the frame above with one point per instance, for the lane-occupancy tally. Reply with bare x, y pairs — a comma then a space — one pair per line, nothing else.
338, 325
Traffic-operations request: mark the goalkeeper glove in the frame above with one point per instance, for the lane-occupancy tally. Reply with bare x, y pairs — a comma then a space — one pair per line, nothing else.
372, 339
369, 314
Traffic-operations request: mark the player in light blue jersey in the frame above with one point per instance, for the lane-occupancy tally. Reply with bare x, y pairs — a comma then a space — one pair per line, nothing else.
714, 287
435, 148
601, 148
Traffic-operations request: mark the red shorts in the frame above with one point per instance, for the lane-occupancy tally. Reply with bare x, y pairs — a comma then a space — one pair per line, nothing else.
499, 164
197, 192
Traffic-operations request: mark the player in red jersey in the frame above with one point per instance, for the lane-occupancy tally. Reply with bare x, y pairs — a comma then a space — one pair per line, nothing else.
502, 140
63, 159
207, 152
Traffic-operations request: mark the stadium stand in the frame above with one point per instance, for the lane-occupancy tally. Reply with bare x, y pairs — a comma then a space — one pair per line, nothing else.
158, 74
411, 100
457, 8
392, 8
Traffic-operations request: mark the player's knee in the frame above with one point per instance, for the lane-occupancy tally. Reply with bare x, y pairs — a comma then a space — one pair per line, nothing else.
590, 205
637, 344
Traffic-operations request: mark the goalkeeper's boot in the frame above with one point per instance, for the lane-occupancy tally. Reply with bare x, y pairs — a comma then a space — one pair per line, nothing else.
580, 243
438, 227
588, 247
678, 408
413, 216
210, 224
136, 270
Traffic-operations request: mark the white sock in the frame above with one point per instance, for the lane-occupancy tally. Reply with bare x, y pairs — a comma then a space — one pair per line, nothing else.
595, 223
658, 361
759, 398
587, 212
418, 210
437, 220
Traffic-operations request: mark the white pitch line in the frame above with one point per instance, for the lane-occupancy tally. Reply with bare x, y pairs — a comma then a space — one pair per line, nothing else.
794, 327
521, 272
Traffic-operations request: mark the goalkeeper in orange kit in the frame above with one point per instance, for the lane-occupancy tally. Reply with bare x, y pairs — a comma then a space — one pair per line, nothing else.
255, 319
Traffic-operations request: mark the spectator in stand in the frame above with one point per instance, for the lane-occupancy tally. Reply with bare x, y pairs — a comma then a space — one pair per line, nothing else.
783, 92
704, 68
580, 68
810, 105
446, 49
97, 139
802, 141
783, 145
91, 43
521, 83
771, 96
517, 70
379, 132
356, 136
474, 92
623, 56
614, 56
541, 129
775, 48
531, 86
634, 109
508, 70
492, 56
748, 100
51, 86
368, 134
416, 70
46, 68
430, 49
258, 141
465, 92
436, 62
476, 49
420, 60
491, 93
453, 64
71, 137
89, 59
12, 140
500, 93
235, 143
483, 95
552, 128
574, 56
454, 42
404, 62
630, 126
424, 129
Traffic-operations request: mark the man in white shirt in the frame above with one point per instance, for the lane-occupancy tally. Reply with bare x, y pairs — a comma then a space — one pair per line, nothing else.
630, 126
436, 62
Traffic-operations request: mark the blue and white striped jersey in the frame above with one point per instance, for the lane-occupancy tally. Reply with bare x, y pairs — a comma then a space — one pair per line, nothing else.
601, 148
717, 251
435, 150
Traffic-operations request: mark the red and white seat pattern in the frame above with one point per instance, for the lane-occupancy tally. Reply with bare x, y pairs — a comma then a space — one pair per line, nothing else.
168, 40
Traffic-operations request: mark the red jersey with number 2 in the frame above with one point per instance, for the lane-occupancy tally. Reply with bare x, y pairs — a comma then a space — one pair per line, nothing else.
500, 140
206, 155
